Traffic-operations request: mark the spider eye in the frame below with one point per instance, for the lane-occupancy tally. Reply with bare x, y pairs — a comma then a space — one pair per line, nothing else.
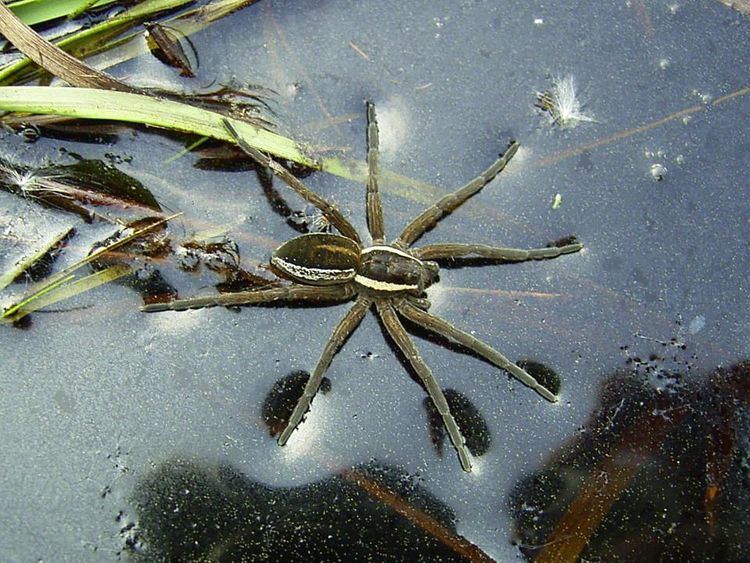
317, 259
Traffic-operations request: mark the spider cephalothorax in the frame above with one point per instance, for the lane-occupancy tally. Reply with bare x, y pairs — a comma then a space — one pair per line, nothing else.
326, 267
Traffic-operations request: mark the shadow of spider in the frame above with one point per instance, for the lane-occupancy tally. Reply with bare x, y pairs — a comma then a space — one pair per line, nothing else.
391, 276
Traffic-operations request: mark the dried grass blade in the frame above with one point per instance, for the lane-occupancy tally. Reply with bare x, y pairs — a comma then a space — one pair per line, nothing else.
67, 274
90, 40
52, 58
7, 278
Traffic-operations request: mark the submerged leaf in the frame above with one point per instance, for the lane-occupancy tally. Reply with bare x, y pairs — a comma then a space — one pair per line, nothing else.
104, 180
165, 45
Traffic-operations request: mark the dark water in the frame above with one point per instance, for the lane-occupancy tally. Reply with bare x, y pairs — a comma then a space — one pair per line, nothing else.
148, 436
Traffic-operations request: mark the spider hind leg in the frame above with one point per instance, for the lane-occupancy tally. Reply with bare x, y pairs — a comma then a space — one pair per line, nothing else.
397, 332
343, 330
439, 326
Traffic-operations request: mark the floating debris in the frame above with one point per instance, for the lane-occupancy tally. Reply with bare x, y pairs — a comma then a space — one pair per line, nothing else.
562, 103
78, 187
658, 172
165, 44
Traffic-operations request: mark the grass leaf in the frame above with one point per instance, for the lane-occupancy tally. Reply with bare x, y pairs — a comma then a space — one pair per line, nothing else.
63, 290
37, 11
7, 278
22, 308
138, 108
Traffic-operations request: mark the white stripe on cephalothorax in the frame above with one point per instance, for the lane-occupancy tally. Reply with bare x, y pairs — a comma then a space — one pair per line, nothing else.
382, 285
387, 248
312, 274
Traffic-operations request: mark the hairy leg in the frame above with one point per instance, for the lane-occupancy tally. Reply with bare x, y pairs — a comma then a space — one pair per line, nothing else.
294, 292
403, 341
374, 207
444, 328
450, 250
333, 214
346, 326
449, 203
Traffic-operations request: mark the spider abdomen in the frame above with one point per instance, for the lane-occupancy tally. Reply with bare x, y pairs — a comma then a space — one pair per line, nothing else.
318, 259
387, 269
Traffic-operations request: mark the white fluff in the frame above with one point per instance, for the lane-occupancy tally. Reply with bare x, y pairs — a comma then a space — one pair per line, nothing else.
562, 103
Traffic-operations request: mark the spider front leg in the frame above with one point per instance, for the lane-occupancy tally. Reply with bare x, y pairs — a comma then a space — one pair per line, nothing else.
450, 250
401, 338
293, 292
439, 326
333, 214
346, 326
373, 205
449, 203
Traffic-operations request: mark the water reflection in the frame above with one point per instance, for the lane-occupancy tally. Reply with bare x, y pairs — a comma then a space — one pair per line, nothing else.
191, 511
660, 472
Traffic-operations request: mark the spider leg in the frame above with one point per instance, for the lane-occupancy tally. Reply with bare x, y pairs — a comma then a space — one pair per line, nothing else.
449, 203
346, 326
446, 329
374, 207
450, 250
401, 338
294, 292
333, 214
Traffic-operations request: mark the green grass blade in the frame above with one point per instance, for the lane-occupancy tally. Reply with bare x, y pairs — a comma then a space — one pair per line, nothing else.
15, 312
137, 108
63, 290
37, 11
83, 42
7, 278
67, 274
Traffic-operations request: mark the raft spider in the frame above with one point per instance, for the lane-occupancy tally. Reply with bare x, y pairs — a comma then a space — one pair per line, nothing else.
327, 267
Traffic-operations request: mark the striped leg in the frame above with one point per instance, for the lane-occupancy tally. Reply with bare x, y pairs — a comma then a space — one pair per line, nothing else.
374, 207
346, 326
449, 250
332, 214
449, 203
401, 338
294, 292
446, 329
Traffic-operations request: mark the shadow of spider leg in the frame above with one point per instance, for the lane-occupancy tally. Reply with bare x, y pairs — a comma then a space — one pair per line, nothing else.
293, 292
346, 326
399, 335
442, 327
